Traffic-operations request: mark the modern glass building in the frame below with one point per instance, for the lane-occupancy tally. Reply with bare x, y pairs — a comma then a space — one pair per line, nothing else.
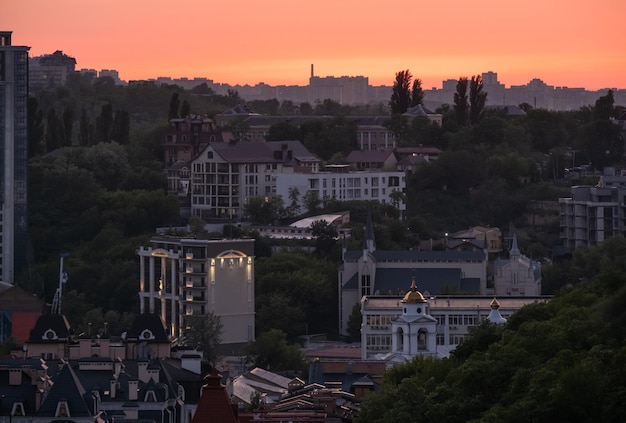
14, 158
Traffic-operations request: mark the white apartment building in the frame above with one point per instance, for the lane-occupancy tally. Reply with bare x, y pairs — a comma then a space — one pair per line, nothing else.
346, 186
181, 277
225, 176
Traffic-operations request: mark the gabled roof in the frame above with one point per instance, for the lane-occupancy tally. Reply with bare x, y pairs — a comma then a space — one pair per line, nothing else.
416, 111
214, 405
149, 328
51, 328
67, 387
262, 152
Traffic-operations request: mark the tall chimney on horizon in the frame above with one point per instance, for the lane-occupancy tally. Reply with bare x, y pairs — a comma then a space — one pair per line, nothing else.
312, 73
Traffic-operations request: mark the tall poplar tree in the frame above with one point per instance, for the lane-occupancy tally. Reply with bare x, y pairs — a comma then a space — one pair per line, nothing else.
477, 99
401, 95
36, 128
417, 93
461, 105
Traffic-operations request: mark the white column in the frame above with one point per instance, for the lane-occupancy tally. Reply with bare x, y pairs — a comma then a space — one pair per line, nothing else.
142, 283
151, 286
162, 290
173, 304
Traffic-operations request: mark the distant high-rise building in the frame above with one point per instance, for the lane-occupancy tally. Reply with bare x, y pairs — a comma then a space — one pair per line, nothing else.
14, 156
50, 70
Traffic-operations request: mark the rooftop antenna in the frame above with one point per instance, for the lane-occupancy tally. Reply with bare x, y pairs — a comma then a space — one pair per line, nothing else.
56, 303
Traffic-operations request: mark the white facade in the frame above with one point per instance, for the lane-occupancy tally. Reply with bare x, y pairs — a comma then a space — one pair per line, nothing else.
225, 176
181, 277
382, 316
518, 275
364, 186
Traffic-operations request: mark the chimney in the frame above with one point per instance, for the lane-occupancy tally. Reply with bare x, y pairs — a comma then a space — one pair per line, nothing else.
133, 387
142, 371
113, 391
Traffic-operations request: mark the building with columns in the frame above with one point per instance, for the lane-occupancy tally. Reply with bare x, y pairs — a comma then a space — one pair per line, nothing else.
395, 329
189, 277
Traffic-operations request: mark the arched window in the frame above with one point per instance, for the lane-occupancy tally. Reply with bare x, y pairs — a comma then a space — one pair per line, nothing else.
400, 335
422, 335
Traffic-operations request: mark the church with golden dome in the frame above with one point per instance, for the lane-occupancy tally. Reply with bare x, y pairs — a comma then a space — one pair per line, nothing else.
395, 329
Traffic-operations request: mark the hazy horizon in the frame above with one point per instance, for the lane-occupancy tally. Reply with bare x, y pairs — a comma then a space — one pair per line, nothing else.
563, 43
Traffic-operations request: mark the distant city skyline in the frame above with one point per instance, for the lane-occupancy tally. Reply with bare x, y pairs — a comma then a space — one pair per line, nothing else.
563, 43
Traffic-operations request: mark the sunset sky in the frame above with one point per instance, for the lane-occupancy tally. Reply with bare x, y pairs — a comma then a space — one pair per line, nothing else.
572, 43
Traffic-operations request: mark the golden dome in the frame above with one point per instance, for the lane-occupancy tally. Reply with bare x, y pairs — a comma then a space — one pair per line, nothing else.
495, 304
413, 296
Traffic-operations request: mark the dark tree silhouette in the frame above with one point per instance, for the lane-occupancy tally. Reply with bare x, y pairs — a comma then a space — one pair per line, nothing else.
401, 94
460, 101
417, 93
35, 127
174, 105
477, 99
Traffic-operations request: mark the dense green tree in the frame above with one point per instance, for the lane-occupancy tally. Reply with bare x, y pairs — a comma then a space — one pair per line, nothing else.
605, 106
272, 352
54, 132
121, 127
84, 131
67, 119
204, 332
325, 235
398, 125
547, 129
303, 287
601, 142
283, 131
311, 201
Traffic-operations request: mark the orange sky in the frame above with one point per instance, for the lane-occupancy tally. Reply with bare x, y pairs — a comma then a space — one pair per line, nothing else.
571, 43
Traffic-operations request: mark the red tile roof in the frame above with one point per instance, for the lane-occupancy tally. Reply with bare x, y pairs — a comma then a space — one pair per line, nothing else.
214, 405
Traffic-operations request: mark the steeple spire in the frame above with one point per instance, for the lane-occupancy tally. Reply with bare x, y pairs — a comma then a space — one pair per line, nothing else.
514, 253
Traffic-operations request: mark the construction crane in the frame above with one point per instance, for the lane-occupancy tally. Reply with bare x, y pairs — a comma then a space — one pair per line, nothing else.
56, 302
